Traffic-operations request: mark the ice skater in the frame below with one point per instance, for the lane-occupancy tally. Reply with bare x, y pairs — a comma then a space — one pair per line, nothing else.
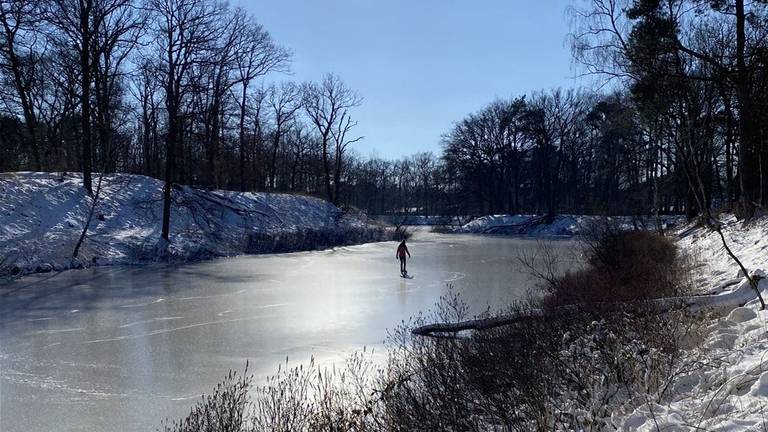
402, 250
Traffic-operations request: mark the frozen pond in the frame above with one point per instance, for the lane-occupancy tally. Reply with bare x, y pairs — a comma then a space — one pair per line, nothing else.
121, 348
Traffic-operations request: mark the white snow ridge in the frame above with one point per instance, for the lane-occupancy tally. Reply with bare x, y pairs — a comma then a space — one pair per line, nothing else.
42, 216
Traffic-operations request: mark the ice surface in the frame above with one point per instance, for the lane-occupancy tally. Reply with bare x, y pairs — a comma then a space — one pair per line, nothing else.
146, 341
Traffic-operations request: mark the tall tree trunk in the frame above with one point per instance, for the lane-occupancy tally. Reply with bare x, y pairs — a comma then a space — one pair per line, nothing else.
294, 169
241, 136
327, 170
215, 140
30, 119
170, 148
729, 140
146, 138
85, 96
273, 156
104, 122
155, 151
337, 178
15, 64
748, 151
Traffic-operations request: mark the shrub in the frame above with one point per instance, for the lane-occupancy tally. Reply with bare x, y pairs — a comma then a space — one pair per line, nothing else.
402, 233
222, 411
309, 398
621, 266
565, 372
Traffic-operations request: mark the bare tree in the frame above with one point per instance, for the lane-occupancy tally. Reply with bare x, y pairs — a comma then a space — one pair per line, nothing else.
257, 56
327, 105
341, 140
257, 101
183, 31
115, 38
302, 144
284, 101
18, 58
146, 89
122, 25
76, 23
216, 78
634, 40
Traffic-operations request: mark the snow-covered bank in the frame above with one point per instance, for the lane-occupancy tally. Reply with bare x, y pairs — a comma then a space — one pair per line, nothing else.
725, 385
561, 225
750, 243
418, 220
42, 216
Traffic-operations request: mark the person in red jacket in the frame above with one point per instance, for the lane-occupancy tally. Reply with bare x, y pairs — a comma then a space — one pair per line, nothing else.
402, 250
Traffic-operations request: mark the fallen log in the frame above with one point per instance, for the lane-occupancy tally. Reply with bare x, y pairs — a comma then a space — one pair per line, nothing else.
737, 297
477, 324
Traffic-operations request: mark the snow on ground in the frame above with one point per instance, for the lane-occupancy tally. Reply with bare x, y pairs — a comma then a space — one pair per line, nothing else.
418, 220
726, 387
750, 243
561, 225
42, 216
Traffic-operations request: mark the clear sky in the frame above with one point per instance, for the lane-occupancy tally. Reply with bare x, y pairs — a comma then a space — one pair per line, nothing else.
420, 65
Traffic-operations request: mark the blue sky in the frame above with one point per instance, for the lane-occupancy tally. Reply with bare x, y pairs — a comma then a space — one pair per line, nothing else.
421, 64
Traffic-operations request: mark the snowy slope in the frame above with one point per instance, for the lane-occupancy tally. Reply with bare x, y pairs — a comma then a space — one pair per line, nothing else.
562, 225
42, 216
749, 242
726, 387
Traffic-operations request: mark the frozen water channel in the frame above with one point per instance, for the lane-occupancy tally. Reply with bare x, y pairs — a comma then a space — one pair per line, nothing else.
121, 348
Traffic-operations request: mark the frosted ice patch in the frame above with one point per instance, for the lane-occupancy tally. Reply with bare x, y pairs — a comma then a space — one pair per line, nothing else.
742, 314
142, 304
455, 276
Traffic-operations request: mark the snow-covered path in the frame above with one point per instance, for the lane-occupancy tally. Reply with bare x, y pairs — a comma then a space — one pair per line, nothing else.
119, 348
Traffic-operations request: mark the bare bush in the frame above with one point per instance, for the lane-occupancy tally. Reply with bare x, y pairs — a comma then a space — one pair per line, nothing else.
621, 266
401, 231
559, 373
222, 411
310, 398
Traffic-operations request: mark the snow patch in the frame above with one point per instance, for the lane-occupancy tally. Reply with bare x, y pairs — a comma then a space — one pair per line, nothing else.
559, 225
726, 387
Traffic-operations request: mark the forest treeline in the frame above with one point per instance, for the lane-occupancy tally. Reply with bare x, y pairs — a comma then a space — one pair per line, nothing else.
176, 89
